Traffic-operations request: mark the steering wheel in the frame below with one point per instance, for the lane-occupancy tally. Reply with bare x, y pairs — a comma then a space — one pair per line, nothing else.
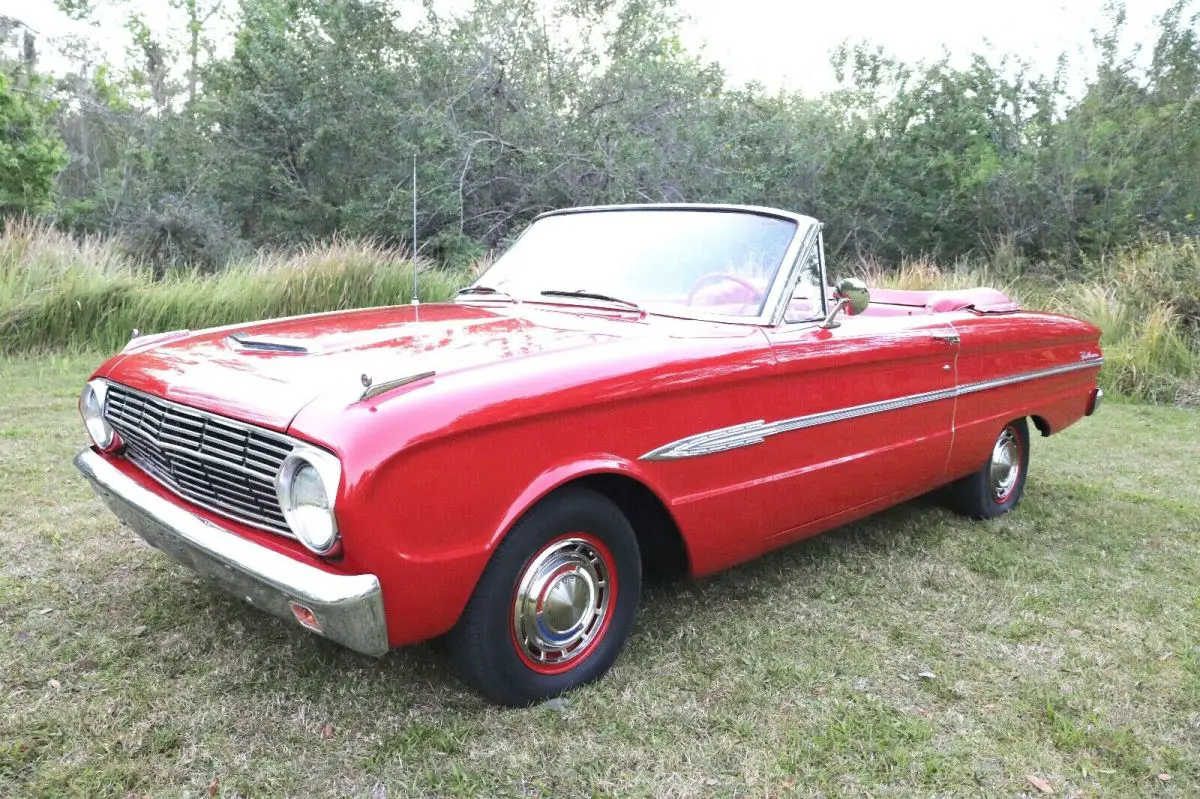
713, 277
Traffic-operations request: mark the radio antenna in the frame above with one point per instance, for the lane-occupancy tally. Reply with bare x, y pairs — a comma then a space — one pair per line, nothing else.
415, 301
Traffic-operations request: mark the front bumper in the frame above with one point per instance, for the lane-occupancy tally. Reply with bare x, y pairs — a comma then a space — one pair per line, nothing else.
348, 608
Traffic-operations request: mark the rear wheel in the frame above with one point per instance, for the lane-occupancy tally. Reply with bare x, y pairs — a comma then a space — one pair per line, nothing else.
997, 486
555, 604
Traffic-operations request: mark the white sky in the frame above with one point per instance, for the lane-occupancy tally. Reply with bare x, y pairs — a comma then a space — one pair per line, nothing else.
777, 41
786, 43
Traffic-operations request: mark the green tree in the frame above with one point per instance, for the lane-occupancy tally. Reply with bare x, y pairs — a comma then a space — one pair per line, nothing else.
31, 152
307, 127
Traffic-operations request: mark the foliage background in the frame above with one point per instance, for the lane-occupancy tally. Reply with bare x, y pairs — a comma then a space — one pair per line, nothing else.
242, 135
305, 126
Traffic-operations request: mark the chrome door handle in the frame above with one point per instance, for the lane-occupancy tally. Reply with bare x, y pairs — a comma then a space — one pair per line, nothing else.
949, 338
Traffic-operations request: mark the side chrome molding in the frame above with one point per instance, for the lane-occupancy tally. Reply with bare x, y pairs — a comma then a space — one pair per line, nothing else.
739, 435
748, 433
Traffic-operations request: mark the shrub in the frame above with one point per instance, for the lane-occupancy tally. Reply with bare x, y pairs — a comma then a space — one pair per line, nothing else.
175, 233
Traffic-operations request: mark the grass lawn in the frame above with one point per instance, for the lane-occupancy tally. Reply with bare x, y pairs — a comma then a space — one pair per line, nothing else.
914, 653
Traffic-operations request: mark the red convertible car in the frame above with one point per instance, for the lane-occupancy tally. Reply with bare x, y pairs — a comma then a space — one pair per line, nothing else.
629, 390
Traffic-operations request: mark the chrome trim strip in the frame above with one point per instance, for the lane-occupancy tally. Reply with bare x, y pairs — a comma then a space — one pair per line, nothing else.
984, 385
726, 438
349, 607
760, 210
387, 385
748, 433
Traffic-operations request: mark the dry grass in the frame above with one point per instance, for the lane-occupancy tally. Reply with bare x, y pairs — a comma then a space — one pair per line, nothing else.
59, 293
1063, 640
56, 293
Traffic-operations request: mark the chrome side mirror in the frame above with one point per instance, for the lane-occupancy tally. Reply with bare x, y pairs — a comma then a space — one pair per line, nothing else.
854, 291
851, 296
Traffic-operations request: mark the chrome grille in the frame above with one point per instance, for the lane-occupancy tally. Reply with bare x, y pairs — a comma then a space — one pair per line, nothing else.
217, 463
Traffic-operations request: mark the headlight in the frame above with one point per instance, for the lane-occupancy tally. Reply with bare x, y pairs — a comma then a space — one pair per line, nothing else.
91, 408
307, 485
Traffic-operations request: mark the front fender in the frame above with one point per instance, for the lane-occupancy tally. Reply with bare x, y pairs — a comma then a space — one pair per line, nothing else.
426, 522
563, 474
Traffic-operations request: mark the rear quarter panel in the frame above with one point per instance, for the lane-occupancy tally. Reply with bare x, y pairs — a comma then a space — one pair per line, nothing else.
999, 346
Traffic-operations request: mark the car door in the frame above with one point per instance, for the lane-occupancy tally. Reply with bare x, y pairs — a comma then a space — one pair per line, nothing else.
865, 412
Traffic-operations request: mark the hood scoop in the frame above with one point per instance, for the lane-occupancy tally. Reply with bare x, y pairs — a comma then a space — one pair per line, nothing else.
244, 341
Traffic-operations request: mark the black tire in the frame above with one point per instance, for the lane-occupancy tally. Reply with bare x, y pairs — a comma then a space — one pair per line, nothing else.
598, 552
981, 495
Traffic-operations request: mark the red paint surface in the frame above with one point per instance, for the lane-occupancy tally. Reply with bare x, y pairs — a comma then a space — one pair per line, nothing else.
529, 397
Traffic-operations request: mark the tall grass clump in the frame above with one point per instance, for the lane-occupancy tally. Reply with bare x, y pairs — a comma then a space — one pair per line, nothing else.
55, 292
1146, 300
60, 292
34, 256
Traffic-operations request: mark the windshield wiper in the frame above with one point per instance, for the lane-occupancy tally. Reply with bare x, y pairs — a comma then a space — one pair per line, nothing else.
589, 295
485, 290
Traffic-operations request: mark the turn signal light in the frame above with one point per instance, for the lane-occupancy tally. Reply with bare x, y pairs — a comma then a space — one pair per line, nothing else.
305, 616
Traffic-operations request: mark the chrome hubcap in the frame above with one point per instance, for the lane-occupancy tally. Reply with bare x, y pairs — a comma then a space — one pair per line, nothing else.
562, 602
1005, 465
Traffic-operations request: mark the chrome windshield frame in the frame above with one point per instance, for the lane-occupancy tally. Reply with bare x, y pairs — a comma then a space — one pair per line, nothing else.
813, 239
777, 296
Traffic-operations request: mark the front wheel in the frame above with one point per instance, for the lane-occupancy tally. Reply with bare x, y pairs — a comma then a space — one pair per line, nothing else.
555, 604
997, 486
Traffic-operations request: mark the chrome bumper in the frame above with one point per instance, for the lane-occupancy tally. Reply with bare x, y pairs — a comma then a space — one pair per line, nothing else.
348, 608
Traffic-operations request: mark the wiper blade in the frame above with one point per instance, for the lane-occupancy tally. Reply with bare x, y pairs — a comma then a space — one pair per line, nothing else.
590, 295
488, 290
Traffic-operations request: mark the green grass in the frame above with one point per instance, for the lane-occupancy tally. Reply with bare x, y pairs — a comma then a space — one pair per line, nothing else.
1063, 642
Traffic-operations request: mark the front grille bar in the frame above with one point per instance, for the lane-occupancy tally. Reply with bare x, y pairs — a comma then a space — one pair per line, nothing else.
217, 463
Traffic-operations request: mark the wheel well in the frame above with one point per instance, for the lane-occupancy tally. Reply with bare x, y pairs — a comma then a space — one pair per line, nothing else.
664, 553
1041, 424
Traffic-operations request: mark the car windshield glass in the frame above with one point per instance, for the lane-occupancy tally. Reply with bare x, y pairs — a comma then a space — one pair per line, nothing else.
676, 261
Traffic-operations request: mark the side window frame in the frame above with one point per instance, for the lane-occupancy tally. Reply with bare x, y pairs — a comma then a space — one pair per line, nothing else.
818, 241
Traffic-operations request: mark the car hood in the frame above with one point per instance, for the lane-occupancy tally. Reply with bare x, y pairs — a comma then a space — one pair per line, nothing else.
265, 373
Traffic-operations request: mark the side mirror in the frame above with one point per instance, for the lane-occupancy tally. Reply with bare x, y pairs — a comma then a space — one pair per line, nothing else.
851, 296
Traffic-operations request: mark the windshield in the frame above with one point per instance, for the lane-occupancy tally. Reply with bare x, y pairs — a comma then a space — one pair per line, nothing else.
674, 261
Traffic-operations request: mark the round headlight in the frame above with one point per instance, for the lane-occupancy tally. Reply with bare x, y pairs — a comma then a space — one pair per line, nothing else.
307, 485
91, 408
